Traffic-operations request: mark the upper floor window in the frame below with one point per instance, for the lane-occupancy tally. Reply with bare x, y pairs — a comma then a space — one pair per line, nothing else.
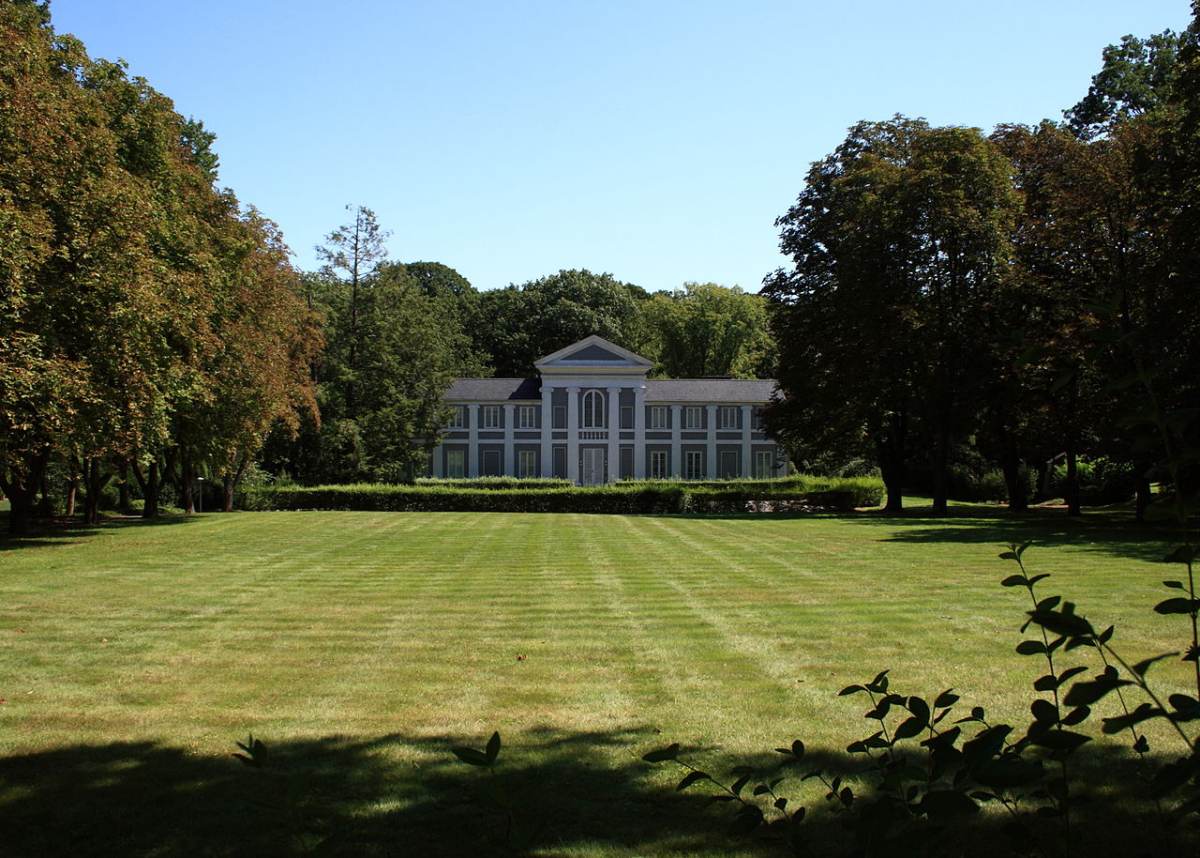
458, 417
760, 422
593, 410
658, 417
491, 416
526, 417
693, 417
728, 417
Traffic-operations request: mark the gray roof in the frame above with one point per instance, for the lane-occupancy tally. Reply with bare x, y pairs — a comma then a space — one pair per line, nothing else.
657, 389
494, 389
709, 389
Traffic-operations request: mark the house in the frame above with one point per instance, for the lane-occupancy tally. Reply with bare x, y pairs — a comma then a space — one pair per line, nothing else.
592, 416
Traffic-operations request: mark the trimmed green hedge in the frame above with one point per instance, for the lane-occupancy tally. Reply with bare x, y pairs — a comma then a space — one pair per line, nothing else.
493, 483
626, 497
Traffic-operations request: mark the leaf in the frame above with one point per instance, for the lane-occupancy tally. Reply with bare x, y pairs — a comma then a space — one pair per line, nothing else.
781, 804
1036, 578
1142, 666
762, 789
1177, 605
691, 778
1076, 716
1085, 693
918, 707
1118, 723
1185, 706
1060, 740
909, 728
1013, 580
797, 749
740, 784
1061, 622
471, 756
1044, 712
493, 747
1031, 648
945, 699
850, 689
662, 754
1009, 555
1174, 585
880, 683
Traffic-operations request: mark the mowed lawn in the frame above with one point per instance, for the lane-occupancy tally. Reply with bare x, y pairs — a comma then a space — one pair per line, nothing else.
360, 646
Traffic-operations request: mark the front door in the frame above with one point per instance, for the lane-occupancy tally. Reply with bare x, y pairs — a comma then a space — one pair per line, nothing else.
592, 470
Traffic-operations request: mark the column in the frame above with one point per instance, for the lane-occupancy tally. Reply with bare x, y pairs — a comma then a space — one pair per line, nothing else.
712, 442
573, 434
547, 430
614, 434
508, 471
473, 441
438, 456
747, 424
676, 447
639, 432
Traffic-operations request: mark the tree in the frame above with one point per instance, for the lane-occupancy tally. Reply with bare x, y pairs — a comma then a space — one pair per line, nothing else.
709, 330
1135, 78
520, 324
352, 253
898, 242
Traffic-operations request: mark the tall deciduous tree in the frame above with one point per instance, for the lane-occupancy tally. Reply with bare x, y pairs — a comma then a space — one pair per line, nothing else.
709, 330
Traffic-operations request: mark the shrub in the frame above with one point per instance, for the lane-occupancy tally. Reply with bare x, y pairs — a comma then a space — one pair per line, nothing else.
628, 497
496, 482
1101, 480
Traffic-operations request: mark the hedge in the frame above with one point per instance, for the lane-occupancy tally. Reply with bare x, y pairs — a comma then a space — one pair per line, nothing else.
657, 497
494, 483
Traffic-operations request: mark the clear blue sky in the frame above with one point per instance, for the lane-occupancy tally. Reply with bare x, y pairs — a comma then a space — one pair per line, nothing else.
654, 140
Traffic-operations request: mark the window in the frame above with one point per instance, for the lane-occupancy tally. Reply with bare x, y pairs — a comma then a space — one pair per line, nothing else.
658, 417
560, 462
692, 418
759, 422
560, 417
458, 417
456, 464
593, 410
491, 417
658, 464
693, 462
764, 464
729, 464
728, 418
491, 463
626, 416
526, 417
527, 463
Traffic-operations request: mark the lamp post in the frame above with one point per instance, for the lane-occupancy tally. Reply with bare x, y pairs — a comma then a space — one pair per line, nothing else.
200, 499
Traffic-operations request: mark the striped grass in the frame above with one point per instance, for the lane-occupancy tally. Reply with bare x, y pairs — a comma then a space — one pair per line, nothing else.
360, 646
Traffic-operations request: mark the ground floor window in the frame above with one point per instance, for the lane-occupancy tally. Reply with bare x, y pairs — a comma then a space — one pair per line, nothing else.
456, 464
729, 464
693, 461
491, 463
527, 463
764, 464
658, 464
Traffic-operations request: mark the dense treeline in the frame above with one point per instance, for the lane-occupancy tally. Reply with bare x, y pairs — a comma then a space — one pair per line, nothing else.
149, 325
1015, 300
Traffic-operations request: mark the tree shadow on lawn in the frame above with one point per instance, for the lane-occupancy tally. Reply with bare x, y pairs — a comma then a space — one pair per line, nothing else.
68, 531
1111, 532
399, 795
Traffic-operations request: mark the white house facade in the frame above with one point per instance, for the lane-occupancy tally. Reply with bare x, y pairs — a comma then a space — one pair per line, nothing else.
592, 416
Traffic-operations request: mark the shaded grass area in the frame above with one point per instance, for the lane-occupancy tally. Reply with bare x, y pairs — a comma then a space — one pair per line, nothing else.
360, 646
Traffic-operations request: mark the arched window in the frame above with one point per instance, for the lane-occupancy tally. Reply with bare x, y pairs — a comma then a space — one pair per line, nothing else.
593, 410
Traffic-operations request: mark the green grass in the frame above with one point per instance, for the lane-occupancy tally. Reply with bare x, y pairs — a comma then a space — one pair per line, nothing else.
360, 646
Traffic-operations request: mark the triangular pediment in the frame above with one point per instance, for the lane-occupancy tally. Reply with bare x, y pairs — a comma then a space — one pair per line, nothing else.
594, 352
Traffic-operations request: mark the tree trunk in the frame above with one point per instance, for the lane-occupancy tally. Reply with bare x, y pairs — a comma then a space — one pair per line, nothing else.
124, 500
150, 487
21, 492
890, 453
1015, 483
44, 508
1144, 498
1071, 489
941, 464
227, 486
187, 479
72, 492
91, 503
